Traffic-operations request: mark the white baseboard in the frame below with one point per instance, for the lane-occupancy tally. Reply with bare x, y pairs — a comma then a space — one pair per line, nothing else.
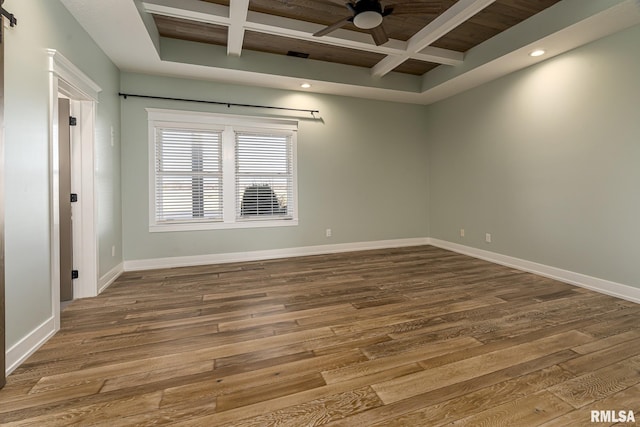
110, 277
186, 261
24, 348
603, 286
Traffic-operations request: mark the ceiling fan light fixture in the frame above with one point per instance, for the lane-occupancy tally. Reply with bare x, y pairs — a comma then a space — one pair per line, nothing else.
367, 20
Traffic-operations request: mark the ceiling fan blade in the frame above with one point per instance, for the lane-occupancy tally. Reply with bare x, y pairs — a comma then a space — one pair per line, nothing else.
417, 8
379, 35
339, 24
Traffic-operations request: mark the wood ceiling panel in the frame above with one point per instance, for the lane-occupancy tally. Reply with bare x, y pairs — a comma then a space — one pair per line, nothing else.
190, 30
528, 6
415, 67
317, 11
465, 36
498, 17
402, 27
318, 51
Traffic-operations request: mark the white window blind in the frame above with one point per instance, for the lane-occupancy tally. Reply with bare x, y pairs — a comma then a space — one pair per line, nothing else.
264, 176
188, 174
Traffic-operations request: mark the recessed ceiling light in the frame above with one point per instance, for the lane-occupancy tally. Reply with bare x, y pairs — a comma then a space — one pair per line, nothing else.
305, 85
537, 52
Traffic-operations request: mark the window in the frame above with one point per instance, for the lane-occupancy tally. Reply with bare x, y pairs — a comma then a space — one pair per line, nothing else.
212, 171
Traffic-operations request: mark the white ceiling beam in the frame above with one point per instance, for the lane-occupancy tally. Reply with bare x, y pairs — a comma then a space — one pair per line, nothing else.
443, 24
439, 56
238, 10
194, 10
269, 24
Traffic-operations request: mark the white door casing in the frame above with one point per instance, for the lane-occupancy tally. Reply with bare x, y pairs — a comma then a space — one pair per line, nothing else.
66, 79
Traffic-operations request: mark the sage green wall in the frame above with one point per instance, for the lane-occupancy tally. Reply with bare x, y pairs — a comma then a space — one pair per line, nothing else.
547, 160
46, 24
360, 170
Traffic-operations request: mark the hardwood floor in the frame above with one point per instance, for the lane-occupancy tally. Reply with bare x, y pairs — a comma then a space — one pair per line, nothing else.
401, 337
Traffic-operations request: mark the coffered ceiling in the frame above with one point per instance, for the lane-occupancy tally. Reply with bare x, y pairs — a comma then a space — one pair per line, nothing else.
422, 52
445, 42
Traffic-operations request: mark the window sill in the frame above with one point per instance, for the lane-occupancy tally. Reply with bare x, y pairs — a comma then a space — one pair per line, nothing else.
162, 228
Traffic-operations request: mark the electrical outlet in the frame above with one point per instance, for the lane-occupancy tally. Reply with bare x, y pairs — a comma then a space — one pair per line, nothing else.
462, 232
487, 237
113, 251
327, 232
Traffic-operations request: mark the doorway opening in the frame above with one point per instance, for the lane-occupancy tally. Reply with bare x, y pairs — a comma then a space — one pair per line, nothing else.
66, 191
74, 242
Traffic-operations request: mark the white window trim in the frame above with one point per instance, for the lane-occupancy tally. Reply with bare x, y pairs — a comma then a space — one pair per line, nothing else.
227, 123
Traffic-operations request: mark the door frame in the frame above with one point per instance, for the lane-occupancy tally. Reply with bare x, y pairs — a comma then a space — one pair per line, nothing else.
65, 78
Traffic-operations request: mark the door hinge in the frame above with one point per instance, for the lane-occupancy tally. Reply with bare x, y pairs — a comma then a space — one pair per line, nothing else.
73, 121
74, 274
74, 197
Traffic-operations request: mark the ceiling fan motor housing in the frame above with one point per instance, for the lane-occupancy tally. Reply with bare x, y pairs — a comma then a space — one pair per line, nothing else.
368, 6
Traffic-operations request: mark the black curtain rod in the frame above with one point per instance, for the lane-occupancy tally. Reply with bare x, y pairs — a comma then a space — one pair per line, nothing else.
228, 104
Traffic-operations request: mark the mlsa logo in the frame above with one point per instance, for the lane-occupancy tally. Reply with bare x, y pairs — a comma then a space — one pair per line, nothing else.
612, 417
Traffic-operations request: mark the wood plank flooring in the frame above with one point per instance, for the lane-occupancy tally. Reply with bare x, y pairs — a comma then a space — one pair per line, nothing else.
401, 337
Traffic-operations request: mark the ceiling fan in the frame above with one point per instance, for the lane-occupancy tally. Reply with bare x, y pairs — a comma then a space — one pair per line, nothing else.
369, 14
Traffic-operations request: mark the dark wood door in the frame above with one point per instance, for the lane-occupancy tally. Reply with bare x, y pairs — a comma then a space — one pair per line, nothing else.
66, 234
2, 320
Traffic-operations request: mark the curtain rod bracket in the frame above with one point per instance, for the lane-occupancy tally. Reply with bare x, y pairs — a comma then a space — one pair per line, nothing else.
10, 16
